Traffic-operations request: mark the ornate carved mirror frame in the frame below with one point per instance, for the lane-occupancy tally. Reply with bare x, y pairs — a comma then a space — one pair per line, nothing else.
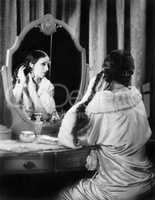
48, 27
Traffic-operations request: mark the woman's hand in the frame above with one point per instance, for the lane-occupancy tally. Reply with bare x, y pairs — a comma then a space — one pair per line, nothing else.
31, 84
21, 76
55, 116
92, 161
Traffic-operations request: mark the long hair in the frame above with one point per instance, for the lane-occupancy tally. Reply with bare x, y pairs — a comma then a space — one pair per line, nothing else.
118, 66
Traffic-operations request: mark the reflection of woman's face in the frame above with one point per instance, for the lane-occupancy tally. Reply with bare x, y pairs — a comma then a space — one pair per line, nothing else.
40, 68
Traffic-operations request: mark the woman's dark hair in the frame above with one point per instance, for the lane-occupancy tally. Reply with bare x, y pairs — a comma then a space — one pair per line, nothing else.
32, 57
118, 66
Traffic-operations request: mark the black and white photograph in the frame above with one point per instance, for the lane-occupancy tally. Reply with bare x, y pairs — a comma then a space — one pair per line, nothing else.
77, 99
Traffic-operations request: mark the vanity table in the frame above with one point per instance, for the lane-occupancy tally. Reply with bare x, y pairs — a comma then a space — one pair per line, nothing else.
29, 158
40, 172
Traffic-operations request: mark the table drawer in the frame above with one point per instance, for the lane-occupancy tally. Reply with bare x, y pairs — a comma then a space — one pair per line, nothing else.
26, 165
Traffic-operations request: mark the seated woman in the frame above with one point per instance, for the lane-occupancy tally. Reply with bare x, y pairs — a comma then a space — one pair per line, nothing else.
116, 121
32, 90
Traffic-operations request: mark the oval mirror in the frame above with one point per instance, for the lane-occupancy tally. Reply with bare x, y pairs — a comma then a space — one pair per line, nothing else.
67, 71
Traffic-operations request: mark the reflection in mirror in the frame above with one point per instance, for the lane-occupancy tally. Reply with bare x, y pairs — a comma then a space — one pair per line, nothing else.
32, 90
26, 63
66, 77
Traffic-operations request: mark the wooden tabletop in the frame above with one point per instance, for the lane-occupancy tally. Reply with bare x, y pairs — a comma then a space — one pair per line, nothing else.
54, 158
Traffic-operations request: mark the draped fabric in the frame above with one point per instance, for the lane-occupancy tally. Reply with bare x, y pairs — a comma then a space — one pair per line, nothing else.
97, 45
120, 9
71, 13
138, 9
111, 24
8, 32
24, 13
100, 36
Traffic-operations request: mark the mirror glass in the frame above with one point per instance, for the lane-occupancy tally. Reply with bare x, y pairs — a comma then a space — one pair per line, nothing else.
66, 69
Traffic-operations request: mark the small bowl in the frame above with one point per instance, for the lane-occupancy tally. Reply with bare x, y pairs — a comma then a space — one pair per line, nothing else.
27, 136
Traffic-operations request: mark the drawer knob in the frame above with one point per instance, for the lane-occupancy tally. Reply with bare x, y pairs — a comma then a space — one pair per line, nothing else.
29, 165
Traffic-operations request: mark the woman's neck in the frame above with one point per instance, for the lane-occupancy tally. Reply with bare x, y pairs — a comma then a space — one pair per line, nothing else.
37, 80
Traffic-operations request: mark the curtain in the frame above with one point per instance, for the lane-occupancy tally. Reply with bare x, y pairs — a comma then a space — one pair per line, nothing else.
23, 14
8, 32
123, 28
138, 10
97, 35
71, 13
120, 10
100, 25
